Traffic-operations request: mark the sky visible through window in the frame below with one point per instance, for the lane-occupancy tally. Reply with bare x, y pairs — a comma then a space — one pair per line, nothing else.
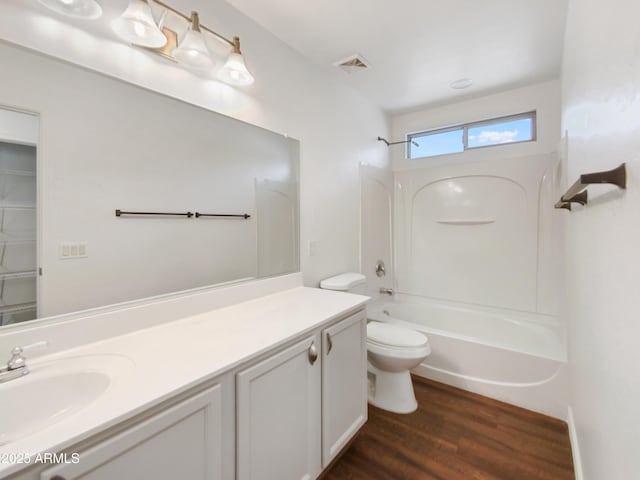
498, 133
452, 141
438, 144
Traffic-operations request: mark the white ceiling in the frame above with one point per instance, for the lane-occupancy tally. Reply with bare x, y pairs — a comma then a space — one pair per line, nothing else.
416, 48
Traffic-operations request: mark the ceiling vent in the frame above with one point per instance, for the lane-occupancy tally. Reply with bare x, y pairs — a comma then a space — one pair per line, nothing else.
352, 64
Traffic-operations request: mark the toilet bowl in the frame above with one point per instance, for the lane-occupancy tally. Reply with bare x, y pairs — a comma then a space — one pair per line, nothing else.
392, 351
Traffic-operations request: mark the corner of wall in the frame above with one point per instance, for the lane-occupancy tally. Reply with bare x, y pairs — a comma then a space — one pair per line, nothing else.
575, 447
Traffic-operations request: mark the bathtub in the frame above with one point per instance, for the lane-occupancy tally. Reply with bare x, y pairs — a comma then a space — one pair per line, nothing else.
512, 356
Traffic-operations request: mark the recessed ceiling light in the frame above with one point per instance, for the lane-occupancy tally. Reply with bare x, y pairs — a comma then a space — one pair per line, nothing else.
461, 83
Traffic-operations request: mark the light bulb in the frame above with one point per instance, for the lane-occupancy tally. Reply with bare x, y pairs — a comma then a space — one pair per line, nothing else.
234, 70
137, 26
139, 29
192, 51
89, 9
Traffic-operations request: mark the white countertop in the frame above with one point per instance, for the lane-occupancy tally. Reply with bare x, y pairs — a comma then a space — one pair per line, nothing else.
168, 359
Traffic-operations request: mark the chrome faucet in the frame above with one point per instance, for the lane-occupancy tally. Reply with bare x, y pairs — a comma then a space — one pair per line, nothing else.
16, 367
387, 291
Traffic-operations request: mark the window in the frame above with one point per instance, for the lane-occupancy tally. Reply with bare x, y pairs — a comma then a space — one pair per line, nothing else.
488, 133
437, 142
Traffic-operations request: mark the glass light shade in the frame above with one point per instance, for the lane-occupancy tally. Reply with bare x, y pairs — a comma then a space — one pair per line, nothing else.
192, 51
136, 25
235, 71
89, 9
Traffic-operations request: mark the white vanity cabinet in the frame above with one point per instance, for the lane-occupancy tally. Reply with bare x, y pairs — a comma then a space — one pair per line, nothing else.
344, 383
281, 414
299, 407
184, 441
278, 417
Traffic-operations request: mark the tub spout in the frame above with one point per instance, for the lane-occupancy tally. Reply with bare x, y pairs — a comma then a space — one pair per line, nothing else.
387, 291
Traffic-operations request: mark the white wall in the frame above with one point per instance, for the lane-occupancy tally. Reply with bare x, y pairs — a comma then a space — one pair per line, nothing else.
543, 97
336, 126
601, 113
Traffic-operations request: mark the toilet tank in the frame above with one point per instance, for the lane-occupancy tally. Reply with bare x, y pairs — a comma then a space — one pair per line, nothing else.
346, 282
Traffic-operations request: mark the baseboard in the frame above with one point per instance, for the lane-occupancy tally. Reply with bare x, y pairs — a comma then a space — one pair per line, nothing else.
575, 448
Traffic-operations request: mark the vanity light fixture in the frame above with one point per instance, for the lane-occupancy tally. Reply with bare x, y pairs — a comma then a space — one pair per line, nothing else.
234, 70
192, 51
89, 9
137, 26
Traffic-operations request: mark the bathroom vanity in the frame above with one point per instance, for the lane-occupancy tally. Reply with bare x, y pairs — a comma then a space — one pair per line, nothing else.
271, 387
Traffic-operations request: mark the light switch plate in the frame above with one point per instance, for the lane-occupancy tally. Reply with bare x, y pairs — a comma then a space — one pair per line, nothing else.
70, 250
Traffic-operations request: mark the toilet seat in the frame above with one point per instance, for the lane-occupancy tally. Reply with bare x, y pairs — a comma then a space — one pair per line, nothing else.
389, 335
397, 341
399, 352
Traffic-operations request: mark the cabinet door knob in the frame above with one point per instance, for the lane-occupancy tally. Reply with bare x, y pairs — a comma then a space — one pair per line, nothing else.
58, 477
329, 343
313, 353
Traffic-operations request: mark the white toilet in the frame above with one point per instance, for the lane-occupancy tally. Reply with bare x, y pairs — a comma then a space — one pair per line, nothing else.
392, 351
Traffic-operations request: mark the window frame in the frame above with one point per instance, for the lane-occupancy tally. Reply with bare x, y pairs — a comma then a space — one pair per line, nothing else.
531, 115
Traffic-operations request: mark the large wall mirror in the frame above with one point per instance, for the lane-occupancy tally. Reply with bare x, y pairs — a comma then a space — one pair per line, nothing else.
75, 146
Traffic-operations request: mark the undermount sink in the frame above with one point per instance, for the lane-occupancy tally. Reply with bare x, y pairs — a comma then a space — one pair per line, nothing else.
54, 391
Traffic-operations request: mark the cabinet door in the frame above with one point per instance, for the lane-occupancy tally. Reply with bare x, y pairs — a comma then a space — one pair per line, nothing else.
182, 442
344, 383
279, 415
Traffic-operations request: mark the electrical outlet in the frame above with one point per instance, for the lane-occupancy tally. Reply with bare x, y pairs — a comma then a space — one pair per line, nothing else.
73, 250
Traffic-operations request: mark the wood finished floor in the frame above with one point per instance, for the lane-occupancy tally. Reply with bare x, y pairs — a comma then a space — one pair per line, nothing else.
457, 435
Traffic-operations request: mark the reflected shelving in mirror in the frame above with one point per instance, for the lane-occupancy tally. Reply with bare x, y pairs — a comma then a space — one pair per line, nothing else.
18, 217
